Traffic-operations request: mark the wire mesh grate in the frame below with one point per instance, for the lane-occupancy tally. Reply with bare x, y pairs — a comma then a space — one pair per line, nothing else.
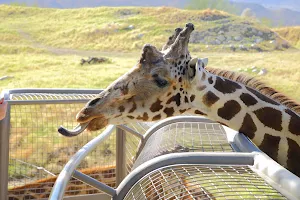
132, 142
49, 96
37, 152
184, 137
202, 182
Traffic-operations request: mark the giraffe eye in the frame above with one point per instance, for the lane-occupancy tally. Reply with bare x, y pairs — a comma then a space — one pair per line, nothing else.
160, 82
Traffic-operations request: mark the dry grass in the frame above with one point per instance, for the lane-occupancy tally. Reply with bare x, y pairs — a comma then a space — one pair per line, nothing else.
102, 28
43, 70
291, 34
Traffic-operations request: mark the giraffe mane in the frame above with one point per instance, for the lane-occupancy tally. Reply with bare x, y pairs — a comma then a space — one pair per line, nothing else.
259, 86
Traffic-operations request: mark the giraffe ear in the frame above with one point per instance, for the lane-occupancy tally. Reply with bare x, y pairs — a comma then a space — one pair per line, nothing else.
204, 61
150, 54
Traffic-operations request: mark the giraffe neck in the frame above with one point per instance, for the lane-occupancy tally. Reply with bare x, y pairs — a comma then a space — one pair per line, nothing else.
273, 127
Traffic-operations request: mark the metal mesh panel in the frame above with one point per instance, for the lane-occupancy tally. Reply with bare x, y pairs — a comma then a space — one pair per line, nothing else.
38, 152
202, 182
132, 142
184, 137
50, 96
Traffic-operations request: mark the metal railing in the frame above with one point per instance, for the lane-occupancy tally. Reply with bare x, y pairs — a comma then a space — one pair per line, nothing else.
245, 155
32, 151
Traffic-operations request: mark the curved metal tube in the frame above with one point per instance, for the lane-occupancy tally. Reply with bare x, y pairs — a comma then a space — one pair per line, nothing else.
62, 180
76, 131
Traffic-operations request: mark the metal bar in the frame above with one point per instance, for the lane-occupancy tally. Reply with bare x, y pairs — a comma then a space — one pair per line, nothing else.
89, 197
120, 155
55, 91
62, 180
85, 197
4, 148
48, 101
239, 142
244, 144
127, 129
277, 176
93, 182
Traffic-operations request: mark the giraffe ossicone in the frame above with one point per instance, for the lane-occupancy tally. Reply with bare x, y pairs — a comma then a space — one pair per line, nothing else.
169, 82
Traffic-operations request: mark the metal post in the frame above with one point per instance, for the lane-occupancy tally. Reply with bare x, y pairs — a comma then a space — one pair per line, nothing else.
4, 150
120, 155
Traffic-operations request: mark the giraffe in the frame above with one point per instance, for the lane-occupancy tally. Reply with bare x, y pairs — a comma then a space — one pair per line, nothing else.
42, 188
169, 82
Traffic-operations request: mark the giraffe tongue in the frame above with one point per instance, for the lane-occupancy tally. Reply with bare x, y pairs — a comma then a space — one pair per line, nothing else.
76, 131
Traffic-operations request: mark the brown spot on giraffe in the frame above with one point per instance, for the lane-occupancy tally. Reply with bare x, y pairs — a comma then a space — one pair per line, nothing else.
169, 111
293, 157
182, 111
248, 126
198, 112
248, 99
270, 145
294, 124
226, 86
210, 98
192, 98
130, 117
144, 117
210, 80
262, 97
156, 106
133, 107
270, 117
186, 100
119, 115
121, 108
175, 98
229, 110
156, 117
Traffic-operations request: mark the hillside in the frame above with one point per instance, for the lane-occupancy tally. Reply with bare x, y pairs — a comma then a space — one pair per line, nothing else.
292, 34
277, 12
291, 4
129, 28
40, 47
277, 16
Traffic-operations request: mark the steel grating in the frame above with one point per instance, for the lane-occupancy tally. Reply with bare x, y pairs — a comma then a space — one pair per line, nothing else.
37, 153
49, 96
184, 137
132, 142
201, 182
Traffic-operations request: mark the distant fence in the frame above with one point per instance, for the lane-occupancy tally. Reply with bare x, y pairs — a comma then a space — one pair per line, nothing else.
33, 152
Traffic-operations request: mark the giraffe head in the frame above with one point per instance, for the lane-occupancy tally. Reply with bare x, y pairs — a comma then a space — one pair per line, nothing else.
156, 87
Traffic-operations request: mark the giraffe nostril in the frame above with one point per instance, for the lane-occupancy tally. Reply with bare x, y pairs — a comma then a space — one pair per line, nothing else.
93, 102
